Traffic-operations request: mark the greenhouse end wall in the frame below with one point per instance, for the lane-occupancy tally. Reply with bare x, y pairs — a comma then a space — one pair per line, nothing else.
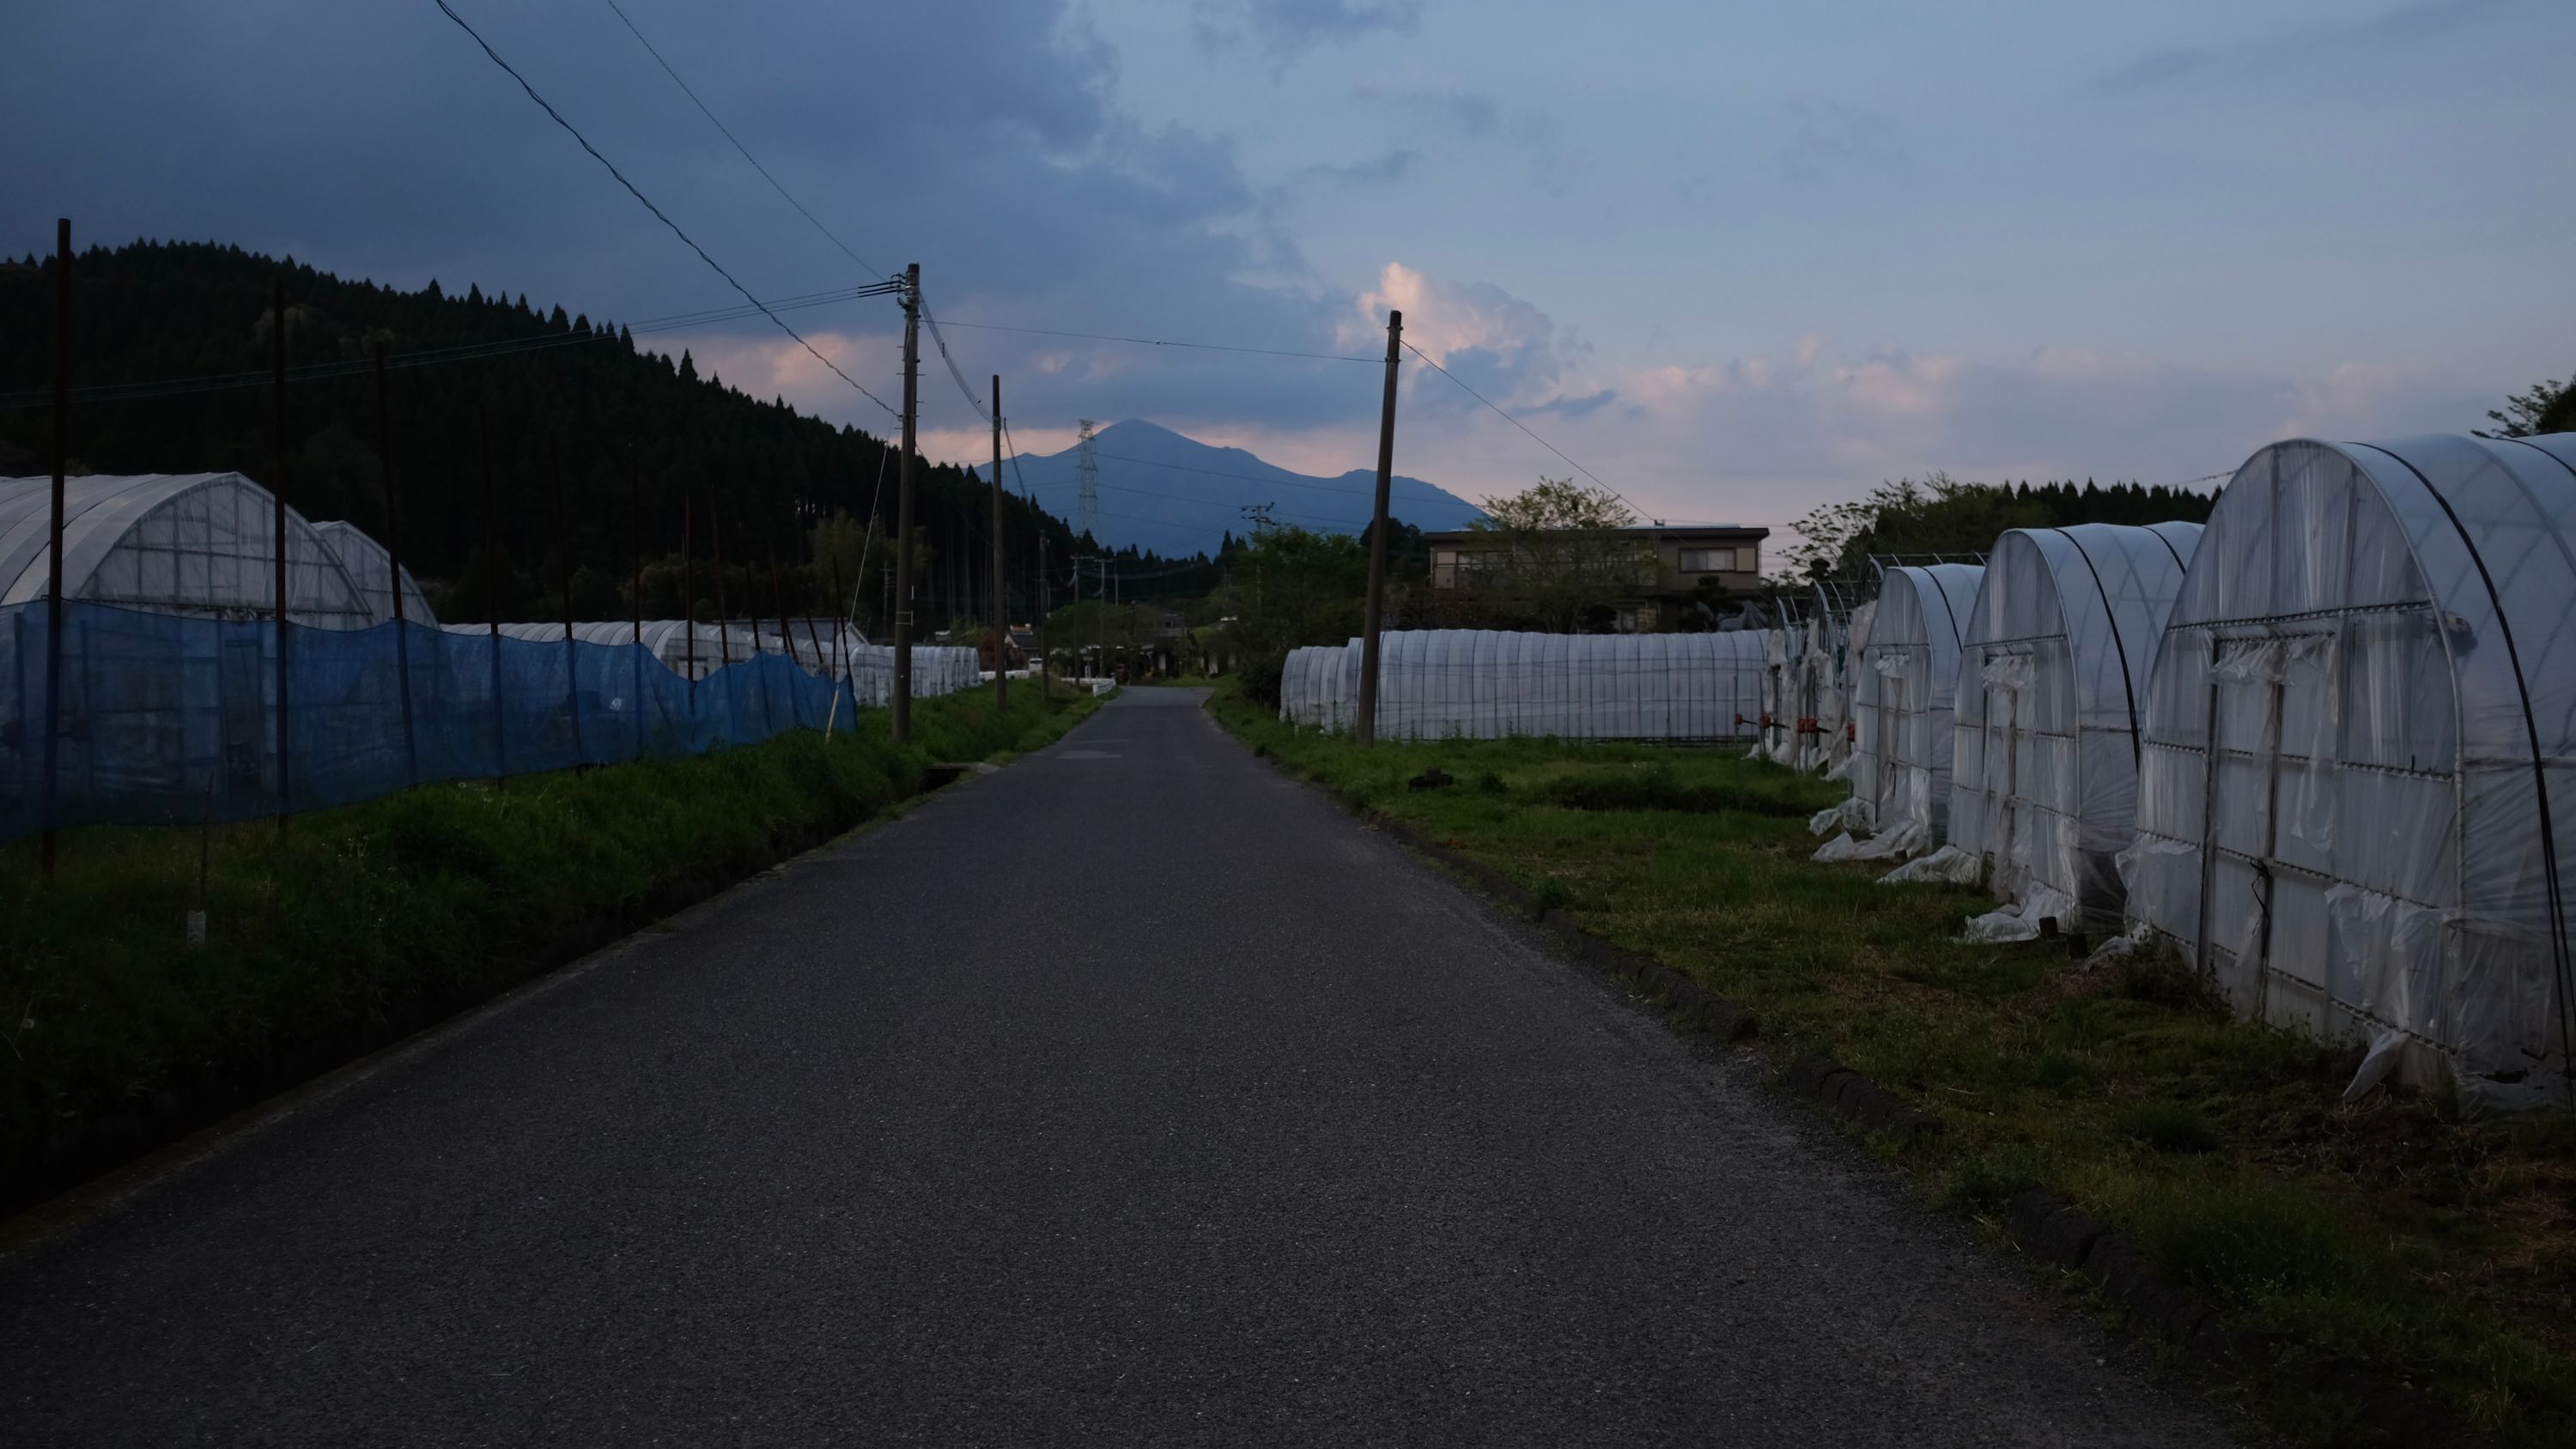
1901, 700
2052, 681
2355, 771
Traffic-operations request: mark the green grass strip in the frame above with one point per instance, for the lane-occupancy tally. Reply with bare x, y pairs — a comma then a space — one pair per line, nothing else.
359, 923
2386, 1232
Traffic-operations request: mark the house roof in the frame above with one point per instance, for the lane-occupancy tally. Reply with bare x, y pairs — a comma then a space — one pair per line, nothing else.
1681, 531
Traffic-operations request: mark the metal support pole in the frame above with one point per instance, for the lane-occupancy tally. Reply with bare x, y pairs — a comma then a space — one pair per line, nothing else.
52, 588
54, 583
840, 656
394, 569
689, 606
1001, 611
902, 701
563, 579
492, 600
724, 634
1364, 726
635, 599
277, 511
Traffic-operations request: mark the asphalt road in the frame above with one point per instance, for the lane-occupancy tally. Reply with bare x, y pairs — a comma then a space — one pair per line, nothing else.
1134, 1095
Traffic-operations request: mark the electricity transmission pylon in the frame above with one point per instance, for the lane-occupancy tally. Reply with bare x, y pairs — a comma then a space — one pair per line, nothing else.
1086, 471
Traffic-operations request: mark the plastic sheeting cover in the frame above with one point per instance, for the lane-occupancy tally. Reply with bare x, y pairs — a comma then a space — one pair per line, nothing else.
2355, 802
1492, 684
173, 543
1901, 698
2052, 680
167, 719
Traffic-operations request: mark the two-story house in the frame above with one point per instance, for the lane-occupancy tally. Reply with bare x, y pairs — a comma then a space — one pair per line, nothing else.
1688, 563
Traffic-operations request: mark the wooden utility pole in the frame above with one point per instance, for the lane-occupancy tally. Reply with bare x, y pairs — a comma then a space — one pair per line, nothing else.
394, 568
277, 513
54, 584
1001, 595
1364, 728
902, 701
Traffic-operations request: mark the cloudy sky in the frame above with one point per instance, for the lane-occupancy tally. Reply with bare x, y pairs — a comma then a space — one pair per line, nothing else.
1736, 259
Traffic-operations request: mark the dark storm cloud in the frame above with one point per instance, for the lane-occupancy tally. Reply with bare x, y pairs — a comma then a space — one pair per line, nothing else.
978, 141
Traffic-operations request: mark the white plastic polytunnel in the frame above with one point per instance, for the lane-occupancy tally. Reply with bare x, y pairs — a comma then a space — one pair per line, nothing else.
1315, 686
2052, 681
1492, 684
172, 543
1901, 693
2355, 780
1822, 694
370, 566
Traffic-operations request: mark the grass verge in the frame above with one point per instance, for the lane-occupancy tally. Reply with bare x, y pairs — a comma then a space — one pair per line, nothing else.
2382, 1233
355, 926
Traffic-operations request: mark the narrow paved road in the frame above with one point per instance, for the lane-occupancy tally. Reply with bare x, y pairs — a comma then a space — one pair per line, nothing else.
1131, 1096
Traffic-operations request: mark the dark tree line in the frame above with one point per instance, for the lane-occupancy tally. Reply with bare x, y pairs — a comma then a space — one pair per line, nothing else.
1942, 515
626, 425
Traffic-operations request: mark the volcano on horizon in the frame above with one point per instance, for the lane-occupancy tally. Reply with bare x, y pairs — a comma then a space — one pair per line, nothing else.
1176, 496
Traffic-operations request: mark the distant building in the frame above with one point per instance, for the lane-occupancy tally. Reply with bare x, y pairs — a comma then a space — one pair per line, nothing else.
1691, 563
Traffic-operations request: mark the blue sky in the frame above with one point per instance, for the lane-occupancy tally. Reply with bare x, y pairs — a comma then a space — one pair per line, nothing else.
1737, 259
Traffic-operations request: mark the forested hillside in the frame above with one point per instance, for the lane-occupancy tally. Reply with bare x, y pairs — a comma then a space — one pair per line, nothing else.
627, 425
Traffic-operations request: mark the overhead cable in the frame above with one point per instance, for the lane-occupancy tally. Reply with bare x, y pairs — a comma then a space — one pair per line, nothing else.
773, 181
658, 213
1162, 342
1515, 422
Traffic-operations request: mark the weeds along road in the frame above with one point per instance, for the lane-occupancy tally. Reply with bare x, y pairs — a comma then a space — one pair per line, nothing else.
1134, 1095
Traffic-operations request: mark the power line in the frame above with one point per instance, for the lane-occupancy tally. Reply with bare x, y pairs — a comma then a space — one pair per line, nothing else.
773, 181
941, 342
658, 213
1162, 342
802, 210
1515, 422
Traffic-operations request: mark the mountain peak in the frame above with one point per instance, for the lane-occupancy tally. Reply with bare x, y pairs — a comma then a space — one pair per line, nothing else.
1169, 492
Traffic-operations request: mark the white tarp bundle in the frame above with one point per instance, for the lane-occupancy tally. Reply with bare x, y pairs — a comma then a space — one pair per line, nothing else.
1491, 684
2052, 678
1908, 666
2357, 749
173, 543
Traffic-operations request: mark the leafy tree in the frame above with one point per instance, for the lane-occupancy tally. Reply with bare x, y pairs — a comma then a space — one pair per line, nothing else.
1554, 557
2548, 407
1287, 588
